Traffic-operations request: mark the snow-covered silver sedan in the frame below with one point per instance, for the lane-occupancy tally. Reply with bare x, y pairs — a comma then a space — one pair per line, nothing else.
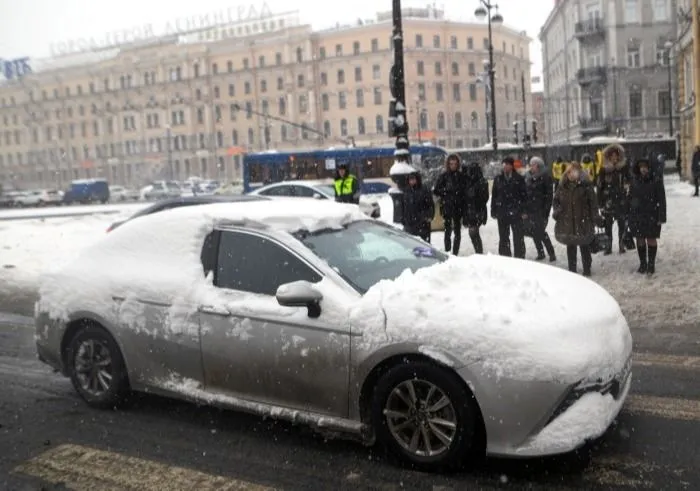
322, 316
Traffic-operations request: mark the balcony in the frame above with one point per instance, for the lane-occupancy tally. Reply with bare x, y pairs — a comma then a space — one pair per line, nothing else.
595, 75
591, 127
590, 31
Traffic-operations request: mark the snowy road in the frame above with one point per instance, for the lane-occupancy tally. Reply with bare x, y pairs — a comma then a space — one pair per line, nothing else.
49, 436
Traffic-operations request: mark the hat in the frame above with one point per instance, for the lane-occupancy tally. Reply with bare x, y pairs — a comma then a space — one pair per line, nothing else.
508, 161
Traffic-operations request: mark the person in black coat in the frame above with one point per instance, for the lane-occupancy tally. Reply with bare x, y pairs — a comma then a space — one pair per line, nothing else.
540, 194
611, 190
449, 188
418, 208
695, 170
476, 198
647, 212
508, 198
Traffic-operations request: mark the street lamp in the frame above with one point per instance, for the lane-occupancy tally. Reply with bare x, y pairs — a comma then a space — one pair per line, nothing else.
484, 11
669, 46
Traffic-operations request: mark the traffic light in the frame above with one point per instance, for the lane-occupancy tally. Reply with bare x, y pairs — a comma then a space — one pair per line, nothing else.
534, 131
515, 131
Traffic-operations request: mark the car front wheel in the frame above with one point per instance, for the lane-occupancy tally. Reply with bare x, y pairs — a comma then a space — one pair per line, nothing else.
424, 417
97, 368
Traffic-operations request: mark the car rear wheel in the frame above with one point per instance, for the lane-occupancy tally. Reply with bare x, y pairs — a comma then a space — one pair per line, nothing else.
97, 368
424, 417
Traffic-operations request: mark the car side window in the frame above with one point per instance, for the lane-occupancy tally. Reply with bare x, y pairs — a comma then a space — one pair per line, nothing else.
254, 264
277, 191
304, 192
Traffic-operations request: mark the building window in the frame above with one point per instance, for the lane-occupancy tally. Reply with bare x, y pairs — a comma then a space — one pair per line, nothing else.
342, 100
438, 68
360, 126
263, 85
261, 61
377, 95
472, 92
631, 12
300, 55
475, 120
376, 72
453, 42
634, 57
436, 41
455, 68
343, 127
439, 92
636, 99
472, 70
341, 76
246, 88
379, 123
325, 104
458, 122
663, 103
338, 50
282, 106
663, 55
358, 74
324, 78
360, 98
229, 66
278, 59
375, 45
470, 44
280, 83
660, 9
327, 128
421, 92
303, 104
423, 120
486, 43
420, 68
441, 121
300, 80
456, 92
419, 41
356, 48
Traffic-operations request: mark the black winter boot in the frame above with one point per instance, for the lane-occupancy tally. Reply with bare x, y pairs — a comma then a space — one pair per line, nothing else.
651, 266
455, 245
642, 251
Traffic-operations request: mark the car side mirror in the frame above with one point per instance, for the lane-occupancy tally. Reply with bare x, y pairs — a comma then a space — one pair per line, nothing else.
300, 294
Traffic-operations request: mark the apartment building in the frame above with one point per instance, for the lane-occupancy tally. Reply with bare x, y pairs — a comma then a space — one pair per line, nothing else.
686, 86
193, 104
606, 66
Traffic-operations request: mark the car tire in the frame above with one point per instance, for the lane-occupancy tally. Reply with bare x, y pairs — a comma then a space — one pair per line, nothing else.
94, 348
396, 433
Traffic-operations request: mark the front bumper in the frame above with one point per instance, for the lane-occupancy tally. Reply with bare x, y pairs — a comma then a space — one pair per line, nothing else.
586, 419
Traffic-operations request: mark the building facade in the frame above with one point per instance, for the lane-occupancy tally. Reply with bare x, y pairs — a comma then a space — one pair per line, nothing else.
608, 69
538, 116
686, 86
192, 105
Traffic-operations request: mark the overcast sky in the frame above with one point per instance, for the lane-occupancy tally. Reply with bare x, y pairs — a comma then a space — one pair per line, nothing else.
29, 27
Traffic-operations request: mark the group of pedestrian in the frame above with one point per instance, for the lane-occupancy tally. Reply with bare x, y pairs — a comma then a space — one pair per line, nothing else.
585, 203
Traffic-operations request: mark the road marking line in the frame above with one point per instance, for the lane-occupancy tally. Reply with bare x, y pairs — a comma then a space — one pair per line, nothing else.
664, 407
670, 361
82, 468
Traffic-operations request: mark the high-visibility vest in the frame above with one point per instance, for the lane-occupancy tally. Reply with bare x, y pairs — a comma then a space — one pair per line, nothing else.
589, 168
343, 186
557, 170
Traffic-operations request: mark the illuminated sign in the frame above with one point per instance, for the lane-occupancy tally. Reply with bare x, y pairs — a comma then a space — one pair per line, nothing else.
14, 69
184, 25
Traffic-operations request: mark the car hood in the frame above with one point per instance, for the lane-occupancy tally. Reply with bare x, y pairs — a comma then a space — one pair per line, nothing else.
518, 319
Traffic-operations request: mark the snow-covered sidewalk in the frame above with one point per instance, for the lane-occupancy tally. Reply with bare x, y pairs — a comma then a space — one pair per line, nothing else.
671, 297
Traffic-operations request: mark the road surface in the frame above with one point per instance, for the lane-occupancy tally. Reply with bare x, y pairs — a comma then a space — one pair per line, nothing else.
51, 440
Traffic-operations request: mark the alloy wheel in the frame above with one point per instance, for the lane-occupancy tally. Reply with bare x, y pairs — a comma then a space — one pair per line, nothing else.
93, 367
421, 418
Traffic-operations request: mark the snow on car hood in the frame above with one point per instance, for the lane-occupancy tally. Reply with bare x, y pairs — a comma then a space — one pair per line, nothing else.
520, 319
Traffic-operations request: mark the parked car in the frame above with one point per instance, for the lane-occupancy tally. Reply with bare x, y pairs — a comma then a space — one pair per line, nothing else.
121, 193
162, 190
9, 199
230, 188
39, 197
310, 189
322, 316
169, 204
86, 191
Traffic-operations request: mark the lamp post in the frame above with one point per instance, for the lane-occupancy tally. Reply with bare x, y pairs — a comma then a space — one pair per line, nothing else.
669, 46
484, 11
398, 122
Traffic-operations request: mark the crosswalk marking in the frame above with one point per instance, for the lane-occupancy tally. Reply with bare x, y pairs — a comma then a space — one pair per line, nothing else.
83, 468
669, 361
664, 407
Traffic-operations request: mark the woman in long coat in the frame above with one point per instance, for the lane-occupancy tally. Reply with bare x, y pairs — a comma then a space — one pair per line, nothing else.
576, 215
647, 212
612, 186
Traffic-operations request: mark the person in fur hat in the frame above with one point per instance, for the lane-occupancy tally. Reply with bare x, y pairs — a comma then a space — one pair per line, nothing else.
612, 185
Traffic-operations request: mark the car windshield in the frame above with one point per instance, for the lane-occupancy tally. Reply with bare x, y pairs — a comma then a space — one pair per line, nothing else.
366, 252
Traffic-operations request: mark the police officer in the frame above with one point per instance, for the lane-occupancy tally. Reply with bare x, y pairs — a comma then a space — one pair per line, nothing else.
347, 188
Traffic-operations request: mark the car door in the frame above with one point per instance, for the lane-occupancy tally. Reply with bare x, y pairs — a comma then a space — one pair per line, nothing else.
255, 349
277, 191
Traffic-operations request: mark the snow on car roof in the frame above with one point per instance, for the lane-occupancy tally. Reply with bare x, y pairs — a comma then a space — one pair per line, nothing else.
157, 257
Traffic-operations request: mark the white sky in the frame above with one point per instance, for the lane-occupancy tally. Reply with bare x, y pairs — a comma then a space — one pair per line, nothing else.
28, 27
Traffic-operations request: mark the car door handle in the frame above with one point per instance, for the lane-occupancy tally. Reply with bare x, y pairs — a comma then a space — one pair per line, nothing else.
208, 309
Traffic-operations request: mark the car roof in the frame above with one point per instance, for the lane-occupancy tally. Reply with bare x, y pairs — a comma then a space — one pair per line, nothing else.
171, 203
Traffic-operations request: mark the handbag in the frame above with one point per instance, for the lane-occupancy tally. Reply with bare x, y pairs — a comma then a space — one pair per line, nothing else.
628, 240
601, 242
